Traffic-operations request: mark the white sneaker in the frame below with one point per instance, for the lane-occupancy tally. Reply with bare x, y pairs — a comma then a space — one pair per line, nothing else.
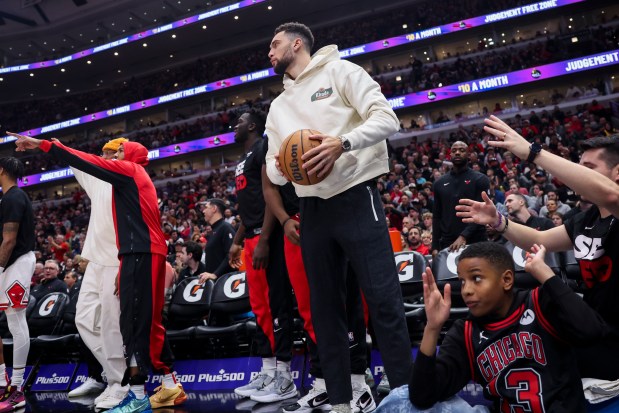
362, 399
316, 398
281, 388
90, 386
104, 394
258, 383
115, 394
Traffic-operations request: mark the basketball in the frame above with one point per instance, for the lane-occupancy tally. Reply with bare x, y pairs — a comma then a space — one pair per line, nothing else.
290, 153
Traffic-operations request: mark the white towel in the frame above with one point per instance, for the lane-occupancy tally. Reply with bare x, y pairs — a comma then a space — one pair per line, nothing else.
598, 391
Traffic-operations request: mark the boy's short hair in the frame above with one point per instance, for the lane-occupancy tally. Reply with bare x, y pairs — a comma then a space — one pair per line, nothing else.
494, 253
194, 249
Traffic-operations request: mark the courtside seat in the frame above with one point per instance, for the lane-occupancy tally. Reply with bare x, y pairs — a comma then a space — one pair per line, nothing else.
522, 278
410, 265
47, 315
46, 324
68, 317
230, 298
188, 308
445, 270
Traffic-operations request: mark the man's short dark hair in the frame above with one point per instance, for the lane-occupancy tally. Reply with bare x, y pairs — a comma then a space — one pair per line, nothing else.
12, 166
194, 249
496, 254
259, 118
521, 197
610, 154
296, 29
219, 203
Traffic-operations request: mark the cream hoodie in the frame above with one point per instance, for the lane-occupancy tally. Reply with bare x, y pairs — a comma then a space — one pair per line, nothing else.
337, 98
100, 246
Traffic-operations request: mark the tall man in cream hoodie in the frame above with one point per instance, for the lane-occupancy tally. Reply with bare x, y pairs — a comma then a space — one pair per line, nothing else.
98, 307
342, 217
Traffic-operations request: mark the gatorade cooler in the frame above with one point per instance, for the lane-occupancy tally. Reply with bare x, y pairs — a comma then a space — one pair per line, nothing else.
396, 239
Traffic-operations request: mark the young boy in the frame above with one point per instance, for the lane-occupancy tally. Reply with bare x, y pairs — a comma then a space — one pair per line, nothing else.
517, 344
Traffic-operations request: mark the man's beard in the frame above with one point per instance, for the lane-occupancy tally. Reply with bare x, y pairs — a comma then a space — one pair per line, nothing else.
283, 63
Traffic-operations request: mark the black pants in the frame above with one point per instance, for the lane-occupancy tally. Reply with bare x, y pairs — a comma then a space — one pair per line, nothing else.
141, 293
357, 343
351, 226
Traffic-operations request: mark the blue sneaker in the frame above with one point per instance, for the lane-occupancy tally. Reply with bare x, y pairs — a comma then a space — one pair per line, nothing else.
131, 404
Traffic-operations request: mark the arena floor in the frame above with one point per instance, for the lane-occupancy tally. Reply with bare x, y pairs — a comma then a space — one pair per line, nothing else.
216, 402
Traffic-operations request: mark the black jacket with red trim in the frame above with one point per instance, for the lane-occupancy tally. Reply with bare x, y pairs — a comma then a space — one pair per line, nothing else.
525, 358
134, 199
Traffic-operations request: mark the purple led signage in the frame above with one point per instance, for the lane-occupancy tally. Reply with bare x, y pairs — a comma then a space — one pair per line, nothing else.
455, 27
447, 92
266, 73
519, 77
133, 38
158, 153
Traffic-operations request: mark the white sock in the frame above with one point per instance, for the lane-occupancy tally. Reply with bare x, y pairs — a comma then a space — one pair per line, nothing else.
18, 378
283, 366
357, 380
269, 364
169, 381
319, 383
3, 378
138, 390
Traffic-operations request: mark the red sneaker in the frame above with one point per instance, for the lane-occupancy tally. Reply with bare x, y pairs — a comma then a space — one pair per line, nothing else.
12, 399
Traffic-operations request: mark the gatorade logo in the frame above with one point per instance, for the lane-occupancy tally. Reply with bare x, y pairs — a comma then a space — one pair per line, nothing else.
234, 287
193, 292
519, 257
48, 305
404, 265
452, 265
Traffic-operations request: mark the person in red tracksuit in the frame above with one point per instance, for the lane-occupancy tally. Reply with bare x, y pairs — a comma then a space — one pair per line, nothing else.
142, 252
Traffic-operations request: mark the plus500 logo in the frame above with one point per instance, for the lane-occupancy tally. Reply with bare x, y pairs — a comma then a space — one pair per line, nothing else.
53, 380
294, 374
212, 378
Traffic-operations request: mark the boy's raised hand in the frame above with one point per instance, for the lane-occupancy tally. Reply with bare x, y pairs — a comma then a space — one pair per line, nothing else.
536, 266
437, 306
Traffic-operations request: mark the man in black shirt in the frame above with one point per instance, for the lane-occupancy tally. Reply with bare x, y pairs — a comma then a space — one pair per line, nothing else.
462, 182
50, 282
261, 238
219, 243
17, 263
516, 205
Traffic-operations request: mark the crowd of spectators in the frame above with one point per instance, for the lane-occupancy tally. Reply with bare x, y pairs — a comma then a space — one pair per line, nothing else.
407, 191
416, 16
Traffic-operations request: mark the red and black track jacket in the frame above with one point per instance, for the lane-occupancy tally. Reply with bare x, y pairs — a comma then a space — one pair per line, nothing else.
134, 199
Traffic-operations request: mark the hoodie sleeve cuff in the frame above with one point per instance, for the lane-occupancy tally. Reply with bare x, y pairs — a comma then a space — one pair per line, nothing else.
45, 145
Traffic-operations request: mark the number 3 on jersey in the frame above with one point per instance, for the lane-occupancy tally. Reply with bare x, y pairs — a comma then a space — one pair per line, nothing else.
527, 385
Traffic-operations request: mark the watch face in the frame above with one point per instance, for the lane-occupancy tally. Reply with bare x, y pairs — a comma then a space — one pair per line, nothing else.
346, 144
